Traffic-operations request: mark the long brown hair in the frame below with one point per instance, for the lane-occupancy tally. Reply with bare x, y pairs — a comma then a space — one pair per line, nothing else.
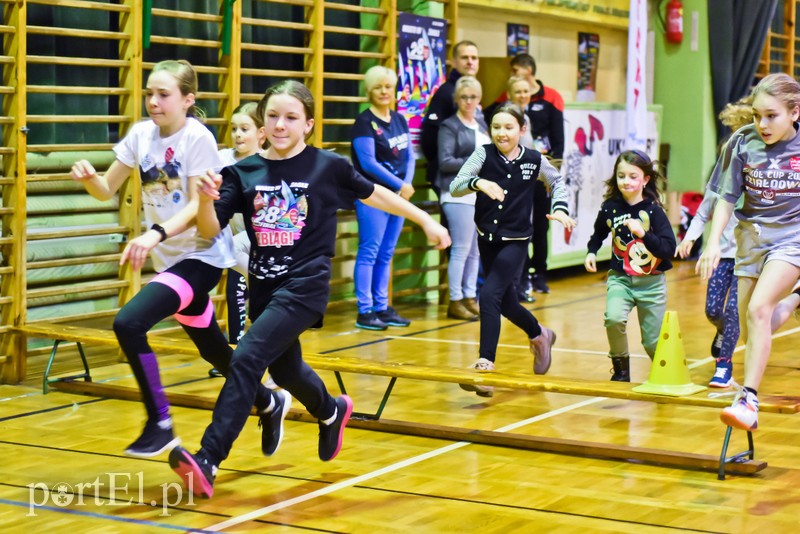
637, 158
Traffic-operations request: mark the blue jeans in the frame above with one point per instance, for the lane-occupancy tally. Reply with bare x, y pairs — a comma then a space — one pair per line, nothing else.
378, 233
462, 270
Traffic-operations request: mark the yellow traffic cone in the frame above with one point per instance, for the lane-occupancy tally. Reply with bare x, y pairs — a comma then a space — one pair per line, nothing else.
669, 373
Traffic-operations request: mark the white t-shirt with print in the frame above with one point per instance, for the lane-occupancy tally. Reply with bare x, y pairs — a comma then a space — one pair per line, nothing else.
165, 165
227, 157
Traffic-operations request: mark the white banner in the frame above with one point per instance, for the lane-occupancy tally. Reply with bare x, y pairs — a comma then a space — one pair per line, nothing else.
593, 140
636, 96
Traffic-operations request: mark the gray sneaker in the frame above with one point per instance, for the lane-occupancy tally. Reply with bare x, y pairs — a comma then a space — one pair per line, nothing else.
541, 346
482, 365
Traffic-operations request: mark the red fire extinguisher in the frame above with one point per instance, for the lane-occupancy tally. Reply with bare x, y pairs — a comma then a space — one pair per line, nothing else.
674, 22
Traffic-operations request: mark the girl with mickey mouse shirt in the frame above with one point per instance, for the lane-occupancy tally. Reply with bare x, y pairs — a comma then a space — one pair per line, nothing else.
642, 243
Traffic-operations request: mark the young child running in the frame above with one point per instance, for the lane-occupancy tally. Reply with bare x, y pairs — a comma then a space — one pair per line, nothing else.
721, 307
289, 196
642, 244
171, 150
504, 174
248, 136
758, 165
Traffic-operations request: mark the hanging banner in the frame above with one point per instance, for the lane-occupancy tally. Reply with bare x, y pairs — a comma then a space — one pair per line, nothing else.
636, 96
588, 52
593, 140
518, 39
421, 56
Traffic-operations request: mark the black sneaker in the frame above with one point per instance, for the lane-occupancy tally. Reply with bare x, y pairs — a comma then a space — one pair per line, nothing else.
272, 423
390, 317
157, 437
540, 284
330, 436
370, 321
196, 471
525, 297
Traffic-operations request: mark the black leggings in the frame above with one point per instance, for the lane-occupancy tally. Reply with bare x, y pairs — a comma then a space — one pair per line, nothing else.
501, 261
272, 341
182, 290
236, 295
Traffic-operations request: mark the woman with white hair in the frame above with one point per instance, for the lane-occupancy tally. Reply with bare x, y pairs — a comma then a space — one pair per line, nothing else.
381, 151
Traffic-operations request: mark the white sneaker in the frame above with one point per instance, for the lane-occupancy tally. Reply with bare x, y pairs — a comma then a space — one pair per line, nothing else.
743, 413
482, 365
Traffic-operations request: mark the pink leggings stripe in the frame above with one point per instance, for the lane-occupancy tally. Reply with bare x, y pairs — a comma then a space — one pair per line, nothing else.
177, 284
198, 321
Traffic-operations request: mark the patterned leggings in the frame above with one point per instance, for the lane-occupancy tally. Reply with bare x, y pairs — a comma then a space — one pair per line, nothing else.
721, 307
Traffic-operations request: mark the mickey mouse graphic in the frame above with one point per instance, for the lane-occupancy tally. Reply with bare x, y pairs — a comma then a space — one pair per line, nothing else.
629, 247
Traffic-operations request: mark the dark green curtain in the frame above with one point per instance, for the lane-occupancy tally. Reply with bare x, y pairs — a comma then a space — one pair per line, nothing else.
51, 104
736, 33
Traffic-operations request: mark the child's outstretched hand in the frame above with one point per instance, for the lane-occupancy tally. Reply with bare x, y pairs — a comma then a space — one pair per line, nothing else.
635, 226
567, 221
684, 249
491, 189
437, 234
208, 185
590, 263
709, 260
137, 249
82, 170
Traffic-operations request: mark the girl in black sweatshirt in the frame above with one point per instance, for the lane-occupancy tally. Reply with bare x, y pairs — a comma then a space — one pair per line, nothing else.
642, 243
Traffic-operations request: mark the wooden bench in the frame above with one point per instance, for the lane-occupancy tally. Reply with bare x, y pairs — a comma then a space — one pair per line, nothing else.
395, 370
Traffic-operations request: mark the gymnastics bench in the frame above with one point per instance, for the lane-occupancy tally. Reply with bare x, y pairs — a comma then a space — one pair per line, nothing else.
395, 370
90, 336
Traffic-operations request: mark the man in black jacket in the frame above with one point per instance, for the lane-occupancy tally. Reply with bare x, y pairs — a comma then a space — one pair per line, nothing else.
442, 106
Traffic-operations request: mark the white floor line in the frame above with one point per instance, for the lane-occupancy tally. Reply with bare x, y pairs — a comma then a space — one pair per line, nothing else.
255, 514
504, 345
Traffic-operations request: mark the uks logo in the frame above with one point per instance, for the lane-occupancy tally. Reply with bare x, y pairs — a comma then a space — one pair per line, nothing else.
794, 163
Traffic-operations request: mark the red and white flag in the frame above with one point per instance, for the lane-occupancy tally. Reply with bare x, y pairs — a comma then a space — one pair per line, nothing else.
636, 97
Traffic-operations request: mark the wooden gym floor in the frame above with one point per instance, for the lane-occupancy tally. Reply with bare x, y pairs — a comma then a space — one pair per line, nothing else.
61, 447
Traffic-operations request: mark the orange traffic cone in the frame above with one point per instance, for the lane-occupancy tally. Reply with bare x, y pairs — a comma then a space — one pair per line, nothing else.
669, 374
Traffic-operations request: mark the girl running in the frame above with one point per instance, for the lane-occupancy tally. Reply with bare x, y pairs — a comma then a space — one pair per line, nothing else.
759, 166
289, 196
171, 150
643, 244
503, 174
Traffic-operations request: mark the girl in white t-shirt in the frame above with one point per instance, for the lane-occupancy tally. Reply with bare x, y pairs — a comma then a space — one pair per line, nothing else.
171, 150
247, 137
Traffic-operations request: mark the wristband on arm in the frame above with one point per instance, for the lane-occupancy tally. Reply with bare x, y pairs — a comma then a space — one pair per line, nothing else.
160, 229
